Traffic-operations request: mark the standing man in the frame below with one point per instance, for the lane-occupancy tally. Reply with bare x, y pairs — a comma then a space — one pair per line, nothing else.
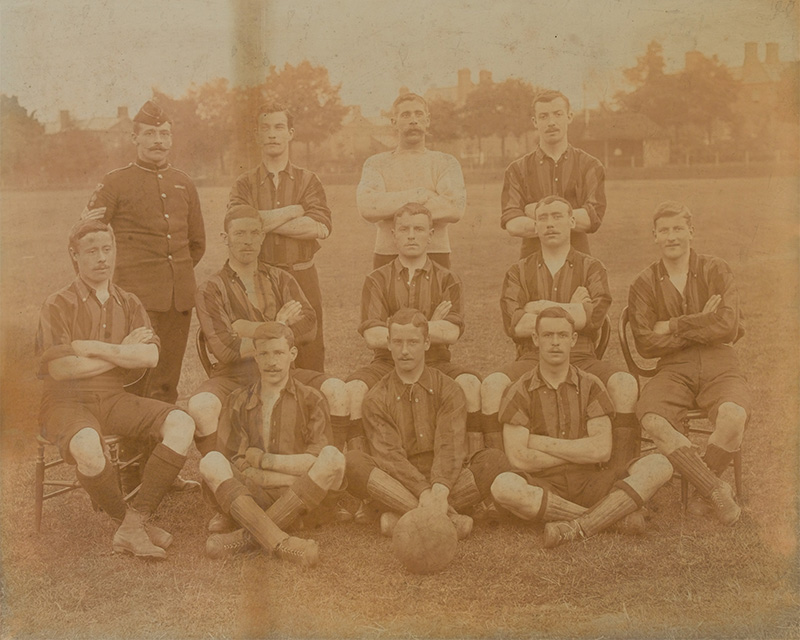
91, 333
154, 210
411, 173
559, 276
275, 462
555, 168
293, 207
415, 422
684, 309
557, 430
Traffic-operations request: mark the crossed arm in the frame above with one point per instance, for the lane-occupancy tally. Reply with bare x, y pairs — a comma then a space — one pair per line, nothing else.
534, 452
272, 470
441, 331
93, 357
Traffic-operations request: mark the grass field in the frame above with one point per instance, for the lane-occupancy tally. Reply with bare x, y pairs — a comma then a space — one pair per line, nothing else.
687, 578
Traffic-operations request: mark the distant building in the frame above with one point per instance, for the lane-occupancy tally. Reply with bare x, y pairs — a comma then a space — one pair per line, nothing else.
765, 96
621, 139
358, 138
113, 133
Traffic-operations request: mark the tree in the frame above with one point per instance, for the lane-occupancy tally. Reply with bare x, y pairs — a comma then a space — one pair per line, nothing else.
215, 109
693, 104
314, 101
480, 113
446, 122
514, 98
21, 136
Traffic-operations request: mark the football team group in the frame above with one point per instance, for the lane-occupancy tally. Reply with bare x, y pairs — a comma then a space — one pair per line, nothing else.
552, 437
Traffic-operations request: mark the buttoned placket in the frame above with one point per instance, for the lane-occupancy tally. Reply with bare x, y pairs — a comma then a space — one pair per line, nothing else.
160, 177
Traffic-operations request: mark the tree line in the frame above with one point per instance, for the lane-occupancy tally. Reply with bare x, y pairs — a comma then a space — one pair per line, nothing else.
214, 122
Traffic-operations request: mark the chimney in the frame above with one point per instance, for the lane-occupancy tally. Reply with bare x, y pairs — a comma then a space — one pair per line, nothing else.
484, 77
122, 113
693, 60
464, 84
64, 118
772, 54
751, 54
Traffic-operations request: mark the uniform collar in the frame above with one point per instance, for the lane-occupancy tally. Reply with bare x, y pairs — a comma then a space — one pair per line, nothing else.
149, 166
694, 263
540, 156
537, 381
85, 291
426, 268
289, 170
398, 387
254, 392
538, 258
229, 272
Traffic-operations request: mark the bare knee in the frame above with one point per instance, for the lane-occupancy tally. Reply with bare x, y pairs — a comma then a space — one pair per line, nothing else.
657, 467
653, 423
505, 487
178, 431
492, 390
335, 392
624, 391
732, 416
471, 387
87, 450
215, 468
204, 408
356, 390
328, 470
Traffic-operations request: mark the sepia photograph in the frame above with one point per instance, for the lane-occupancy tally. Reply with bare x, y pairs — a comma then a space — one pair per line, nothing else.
366, 319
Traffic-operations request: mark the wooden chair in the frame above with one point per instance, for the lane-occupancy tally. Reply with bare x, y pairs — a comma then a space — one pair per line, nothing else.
603, 336
110, 443
201, 344
690, 426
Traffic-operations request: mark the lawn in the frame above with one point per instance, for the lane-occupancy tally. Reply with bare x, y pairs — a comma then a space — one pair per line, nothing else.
686, 578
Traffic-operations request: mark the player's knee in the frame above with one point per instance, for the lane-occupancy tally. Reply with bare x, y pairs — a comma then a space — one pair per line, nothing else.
178, 431
335, 392
623, 390
652, 423
204, 408
504, 487
356, 390
214, 467
331, 461
657, 467
87, 450
471, 386
732, 416
492, 390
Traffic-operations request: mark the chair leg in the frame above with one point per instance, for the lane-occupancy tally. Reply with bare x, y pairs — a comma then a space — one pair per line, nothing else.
39, 488
113, 454
684, 492
737, 475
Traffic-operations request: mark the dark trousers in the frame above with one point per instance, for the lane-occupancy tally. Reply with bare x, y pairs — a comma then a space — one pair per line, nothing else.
172, 329
312, 354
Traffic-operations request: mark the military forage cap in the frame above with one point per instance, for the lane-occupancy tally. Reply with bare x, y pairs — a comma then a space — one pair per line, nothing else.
151, 114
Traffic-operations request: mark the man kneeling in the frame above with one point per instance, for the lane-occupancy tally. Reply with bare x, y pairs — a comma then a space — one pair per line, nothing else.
556, 431
415, 423
91, 333
274, 462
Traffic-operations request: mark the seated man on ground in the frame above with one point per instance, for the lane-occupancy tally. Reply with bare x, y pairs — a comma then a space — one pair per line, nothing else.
684, 309
415, 424
231, 305
91, 333
413, 280
274, 463
559, 276
557, 432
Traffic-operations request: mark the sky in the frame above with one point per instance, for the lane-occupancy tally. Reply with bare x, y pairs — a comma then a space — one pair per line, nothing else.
91, 56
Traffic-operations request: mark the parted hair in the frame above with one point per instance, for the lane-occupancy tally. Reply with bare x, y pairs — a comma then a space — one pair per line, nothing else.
549, 200
238, 211
83, 228
274, 331
547, 95
554, 312
405, 97
409, 315
275, 106
671, 208
412, 209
